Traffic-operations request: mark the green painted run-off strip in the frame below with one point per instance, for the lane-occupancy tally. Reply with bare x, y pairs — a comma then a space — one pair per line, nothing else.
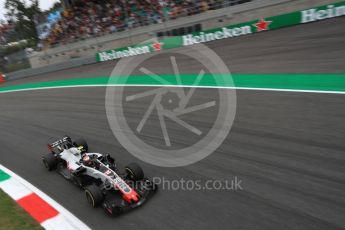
303, 82
4, 176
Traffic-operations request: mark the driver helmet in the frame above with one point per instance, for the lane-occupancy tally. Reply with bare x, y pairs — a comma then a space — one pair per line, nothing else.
87, 160
81, 149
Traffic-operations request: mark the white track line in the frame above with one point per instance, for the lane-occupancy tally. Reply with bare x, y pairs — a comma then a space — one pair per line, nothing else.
179, 86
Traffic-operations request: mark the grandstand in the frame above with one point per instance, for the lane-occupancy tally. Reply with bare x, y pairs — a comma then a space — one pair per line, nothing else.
88, 27
82, 19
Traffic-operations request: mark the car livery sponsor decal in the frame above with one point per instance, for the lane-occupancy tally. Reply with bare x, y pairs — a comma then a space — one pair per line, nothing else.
121, 185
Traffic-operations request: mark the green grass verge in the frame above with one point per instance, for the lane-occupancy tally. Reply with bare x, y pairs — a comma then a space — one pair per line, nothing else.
13, 217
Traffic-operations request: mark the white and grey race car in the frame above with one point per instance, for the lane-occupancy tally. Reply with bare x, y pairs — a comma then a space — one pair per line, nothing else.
99, 176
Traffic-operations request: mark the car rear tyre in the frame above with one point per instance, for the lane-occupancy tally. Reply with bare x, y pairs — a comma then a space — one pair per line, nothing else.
134, 172
49, 161
81, 142
94, 195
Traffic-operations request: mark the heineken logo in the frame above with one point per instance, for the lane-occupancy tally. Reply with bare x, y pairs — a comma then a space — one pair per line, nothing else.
157, 46
129, 51
262, 25
191, 39
331, 11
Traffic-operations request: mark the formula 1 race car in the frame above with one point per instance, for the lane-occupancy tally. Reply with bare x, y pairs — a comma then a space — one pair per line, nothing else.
99, 176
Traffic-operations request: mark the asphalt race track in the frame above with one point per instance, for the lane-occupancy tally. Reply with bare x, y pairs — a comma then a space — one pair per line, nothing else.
287, 148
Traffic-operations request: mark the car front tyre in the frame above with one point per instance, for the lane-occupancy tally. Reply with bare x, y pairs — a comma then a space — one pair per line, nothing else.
134, 172
94, 195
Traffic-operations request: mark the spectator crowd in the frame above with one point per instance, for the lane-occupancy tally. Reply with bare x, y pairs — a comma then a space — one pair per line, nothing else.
89, 18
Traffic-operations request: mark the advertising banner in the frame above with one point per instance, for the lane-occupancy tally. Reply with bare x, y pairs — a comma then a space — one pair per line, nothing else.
231, 31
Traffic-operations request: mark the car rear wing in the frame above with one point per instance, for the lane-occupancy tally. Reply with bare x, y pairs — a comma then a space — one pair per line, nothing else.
64, 143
